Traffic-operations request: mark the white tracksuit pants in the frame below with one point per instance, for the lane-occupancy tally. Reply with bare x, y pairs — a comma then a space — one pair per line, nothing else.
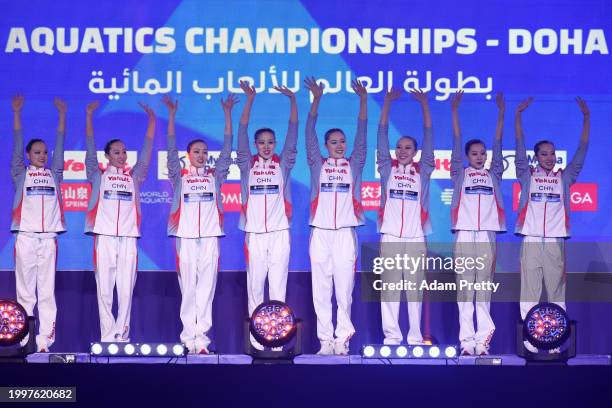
390, 300
198, 262
332, 257
35, 273
116, 259
542, 258
267, 256
475, 244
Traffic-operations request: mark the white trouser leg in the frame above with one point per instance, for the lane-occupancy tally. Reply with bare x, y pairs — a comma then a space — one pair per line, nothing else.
279, 248
127, 262
553, 269
321, 265
344, 246
186, 251
105, 253
485, 248
208, 264
25, 271
257, 268
463, 248
531, 273
47, 309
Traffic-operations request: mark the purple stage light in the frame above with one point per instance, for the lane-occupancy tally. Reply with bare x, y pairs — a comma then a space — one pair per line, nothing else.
546, 326
13, 323
273, 324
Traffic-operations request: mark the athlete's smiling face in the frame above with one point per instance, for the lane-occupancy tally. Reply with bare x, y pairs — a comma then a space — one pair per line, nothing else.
546, 156
198, 155
117, 155
477, 155
265, 144
336, 145
405, 151
38, 155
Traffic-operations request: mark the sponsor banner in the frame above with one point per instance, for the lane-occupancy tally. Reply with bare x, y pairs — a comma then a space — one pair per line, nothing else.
370, 195
213, 155
443, 161
230, 193
75, 196
74, 163
583, 196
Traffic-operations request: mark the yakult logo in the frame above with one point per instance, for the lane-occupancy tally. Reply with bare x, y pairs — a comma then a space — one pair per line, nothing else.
404, 178
37, 173
335, 170
74, 163
191, 180
119, 178
263, 172
551, 180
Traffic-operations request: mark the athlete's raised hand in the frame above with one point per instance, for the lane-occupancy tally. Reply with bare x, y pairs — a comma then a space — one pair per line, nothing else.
229, 103
17, 103
170, 104
456, 99
248, 89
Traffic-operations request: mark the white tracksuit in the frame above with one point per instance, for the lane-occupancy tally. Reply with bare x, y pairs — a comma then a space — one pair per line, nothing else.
36, 250
404, 237
478, 220
267, 242
543, 247
116, 229
333, 250
199, 225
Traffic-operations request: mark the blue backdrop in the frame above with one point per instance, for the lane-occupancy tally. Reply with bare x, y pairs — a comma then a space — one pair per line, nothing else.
197, 50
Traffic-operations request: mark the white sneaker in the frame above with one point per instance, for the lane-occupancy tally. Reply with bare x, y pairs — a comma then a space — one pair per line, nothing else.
556, 350
341, 348
468, 350
120, 339
481, 350
327, 349
277, 348
530, 347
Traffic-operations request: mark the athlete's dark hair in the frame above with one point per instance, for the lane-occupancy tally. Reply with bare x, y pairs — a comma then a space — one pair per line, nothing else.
31, 143
262, 130
194, 141
332, 130
416, 145
471, 142
108, 145
537, 146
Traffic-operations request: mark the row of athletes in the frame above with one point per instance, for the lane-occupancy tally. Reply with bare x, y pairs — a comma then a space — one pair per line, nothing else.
196, 217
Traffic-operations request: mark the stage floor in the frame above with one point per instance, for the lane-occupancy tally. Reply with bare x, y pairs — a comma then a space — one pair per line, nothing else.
311, 359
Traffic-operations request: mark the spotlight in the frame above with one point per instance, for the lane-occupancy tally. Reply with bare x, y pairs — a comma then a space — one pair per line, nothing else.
113, 349
96, 349
178, 349
273, 324
145, 349
129, 349
418, 351
406, 352
13, 323
162, 349
368, 351
546, 326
